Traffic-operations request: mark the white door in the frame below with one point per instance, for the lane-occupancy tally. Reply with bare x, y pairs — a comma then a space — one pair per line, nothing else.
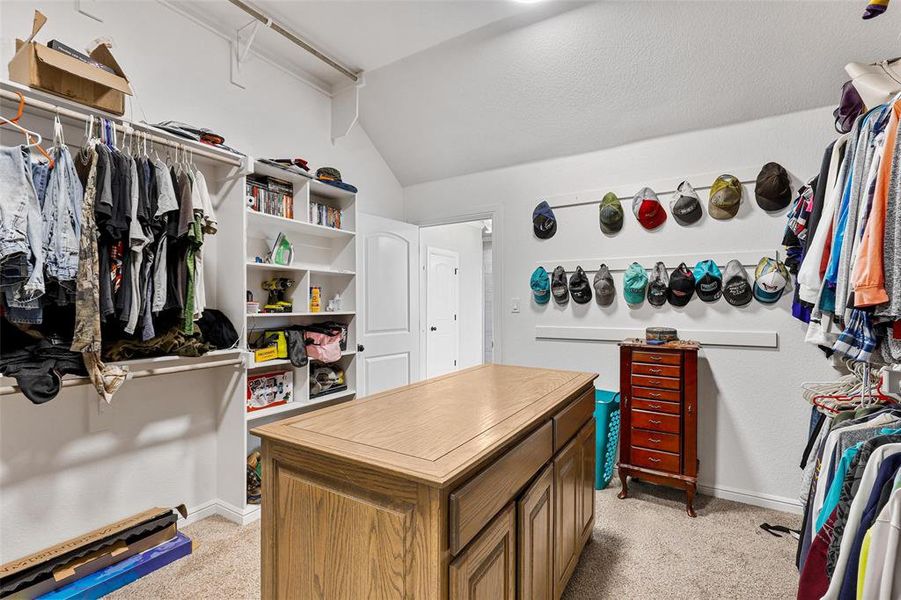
442, 306
388, 289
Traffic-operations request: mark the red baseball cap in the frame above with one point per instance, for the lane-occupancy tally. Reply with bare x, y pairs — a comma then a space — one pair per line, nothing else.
647, 208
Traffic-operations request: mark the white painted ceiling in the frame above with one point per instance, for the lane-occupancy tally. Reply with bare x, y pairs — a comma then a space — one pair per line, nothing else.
454, 87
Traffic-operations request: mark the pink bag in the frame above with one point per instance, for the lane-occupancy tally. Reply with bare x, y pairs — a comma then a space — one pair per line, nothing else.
323, 345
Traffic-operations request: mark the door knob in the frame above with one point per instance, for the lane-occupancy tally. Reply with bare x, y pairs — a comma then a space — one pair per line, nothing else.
360, 348
433, 328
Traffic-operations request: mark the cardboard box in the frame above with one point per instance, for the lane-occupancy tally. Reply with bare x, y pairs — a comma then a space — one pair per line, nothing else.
269, 389
44, 68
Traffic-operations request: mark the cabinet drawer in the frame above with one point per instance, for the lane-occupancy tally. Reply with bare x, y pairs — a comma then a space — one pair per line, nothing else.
569, 421
664, 383
482, 497
655, 405
660, 358
659, 461
654, 440
662, 370
652, 394
655, 421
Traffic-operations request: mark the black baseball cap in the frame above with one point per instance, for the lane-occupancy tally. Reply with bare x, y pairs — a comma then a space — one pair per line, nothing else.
604, 289
736, 285
558, 286
681, 286
773, 188
543, 221
579, 288
658, 286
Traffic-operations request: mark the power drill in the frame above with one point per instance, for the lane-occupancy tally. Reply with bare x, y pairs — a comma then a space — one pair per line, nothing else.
278, 288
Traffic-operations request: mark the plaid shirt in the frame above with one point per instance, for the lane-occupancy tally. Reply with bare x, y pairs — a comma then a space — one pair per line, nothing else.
858, 340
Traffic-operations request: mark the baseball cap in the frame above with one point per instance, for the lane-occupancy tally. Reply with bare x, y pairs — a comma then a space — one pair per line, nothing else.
635, 282
736, 287
681, 286
579, 288
558, 286
708, 281
725, 197
685, 205
541, 286
543, 221
658, 285
773, 187
604, 289
647, 209
610, 213
770, 279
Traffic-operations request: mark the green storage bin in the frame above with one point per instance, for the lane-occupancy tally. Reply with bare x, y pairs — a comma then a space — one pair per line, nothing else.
607, 417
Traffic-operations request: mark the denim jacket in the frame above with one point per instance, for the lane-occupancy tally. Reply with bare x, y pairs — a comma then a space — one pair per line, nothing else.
62, 219
20, 219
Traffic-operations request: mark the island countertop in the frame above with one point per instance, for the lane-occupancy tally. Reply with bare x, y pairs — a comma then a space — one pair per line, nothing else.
434, 431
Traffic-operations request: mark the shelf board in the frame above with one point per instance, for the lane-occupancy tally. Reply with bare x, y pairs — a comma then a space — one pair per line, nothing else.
174, 358
323, 313
292, 406
270, 224
268, 170
299, 267
284, 362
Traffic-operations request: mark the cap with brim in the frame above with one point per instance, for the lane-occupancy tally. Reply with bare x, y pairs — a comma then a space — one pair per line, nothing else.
681, 286
708, 281
635, 283
647, 209
610, 213
579, 288
736, 286
541, 286
685, 205
725, 197
773, 187
544, 224
604, 289
559, 290
658, 285
770, 279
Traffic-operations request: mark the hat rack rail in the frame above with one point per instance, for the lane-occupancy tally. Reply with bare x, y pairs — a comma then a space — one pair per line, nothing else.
748, 258
746, 176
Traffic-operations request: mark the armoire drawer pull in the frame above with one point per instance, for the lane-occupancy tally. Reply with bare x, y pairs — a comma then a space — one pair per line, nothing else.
653, 460
657, 371
654, 440
654, 394
653, 422
657, 406
656, 357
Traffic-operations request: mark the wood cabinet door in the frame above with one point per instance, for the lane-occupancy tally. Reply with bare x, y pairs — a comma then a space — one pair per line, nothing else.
486, 569
587, 443
535, 523
567, 511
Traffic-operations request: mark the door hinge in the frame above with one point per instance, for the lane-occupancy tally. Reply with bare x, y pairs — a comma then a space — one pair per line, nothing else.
455, 363
455, 317
456, 271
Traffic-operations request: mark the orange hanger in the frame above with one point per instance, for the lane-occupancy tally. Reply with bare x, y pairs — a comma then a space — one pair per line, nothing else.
19, 116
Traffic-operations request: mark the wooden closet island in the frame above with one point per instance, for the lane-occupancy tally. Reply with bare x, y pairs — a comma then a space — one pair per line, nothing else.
477, 484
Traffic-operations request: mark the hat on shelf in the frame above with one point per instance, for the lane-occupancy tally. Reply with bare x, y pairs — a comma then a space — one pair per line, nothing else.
610, 213
685, 205
773, 187
635, 283
604, 290
541, 286
647, 209
770, 279
543, 221
681, 286
658, 285
725, 197
708, 281
579, 288
558, 286
332, 176
736, 286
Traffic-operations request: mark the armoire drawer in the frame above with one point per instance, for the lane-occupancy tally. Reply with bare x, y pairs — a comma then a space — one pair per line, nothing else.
660, 358
656, 405
655, 440
652, 394
482, 497
659, 461
663, 383
655, 421
661, 370
570, 420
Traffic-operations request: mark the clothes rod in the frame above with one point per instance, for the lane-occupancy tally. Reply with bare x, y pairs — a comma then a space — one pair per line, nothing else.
195, 147
14, 389
293, 38
629, 198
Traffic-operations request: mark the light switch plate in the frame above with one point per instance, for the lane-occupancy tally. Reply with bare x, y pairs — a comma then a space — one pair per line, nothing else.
514, 305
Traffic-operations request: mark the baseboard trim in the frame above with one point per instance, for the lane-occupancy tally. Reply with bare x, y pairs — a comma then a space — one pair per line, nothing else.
789, 505
224, 510
200, 512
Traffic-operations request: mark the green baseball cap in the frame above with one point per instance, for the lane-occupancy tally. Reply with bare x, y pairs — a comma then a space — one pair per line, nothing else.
610, 213
725, 197
635, 283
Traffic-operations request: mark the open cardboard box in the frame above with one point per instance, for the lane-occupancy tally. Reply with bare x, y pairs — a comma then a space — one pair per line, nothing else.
44, 68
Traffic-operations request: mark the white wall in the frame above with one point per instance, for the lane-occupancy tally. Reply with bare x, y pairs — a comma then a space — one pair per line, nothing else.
157, 443
752, 419
466, 240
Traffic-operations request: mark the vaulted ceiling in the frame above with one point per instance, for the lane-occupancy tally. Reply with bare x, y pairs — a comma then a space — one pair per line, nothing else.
458, 87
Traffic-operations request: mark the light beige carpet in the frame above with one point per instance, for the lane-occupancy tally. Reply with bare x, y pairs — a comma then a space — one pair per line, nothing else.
642, 548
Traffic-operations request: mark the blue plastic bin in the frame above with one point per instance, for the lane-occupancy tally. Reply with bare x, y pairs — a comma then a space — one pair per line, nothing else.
606, 414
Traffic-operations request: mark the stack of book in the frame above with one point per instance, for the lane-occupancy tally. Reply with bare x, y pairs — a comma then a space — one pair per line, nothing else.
320, 214
271, 196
